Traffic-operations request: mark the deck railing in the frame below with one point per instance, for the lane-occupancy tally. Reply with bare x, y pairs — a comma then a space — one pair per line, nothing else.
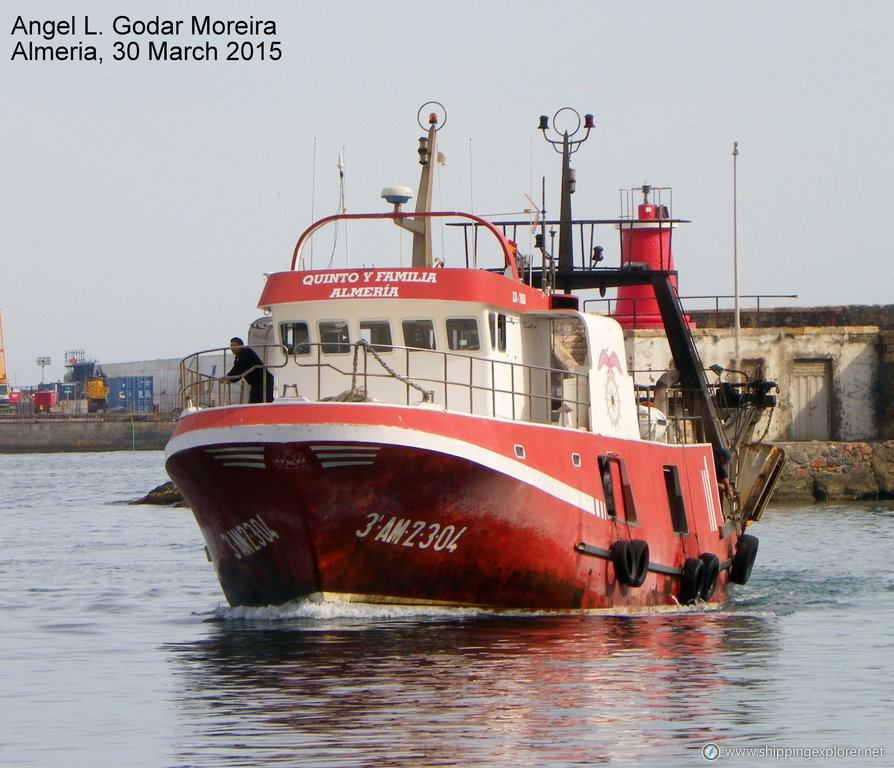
740, 404
715, 307
462, 383
455, 381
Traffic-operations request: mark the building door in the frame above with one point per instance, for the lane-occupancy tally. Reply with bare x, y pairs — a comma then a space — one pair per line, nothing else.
811, 385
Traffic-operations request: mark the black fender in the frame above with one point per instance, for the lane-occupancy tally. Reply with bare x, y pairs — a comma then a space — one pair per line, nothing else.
746, 552
641, 557
631, 561
712, 572
624, 561
692, 581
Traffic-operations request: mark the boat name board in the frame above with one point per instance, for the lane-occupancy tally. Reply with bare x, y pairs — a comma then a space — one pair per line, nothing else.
371, 276
366, 292
374, 284
377, 284
466, 285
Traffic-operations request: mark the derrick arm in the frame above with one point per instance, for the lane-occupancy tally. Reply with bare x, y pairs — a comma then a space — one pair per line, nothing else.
686, 359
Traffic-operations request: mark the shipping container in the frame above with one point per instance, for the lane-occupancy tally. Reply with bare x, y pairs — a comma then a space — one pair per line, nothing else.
44, 399
69, 391
131, 394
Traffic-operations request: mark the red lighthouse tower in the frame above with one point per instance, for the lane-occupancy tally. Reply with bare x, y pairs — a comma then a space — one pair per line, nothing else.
645, 240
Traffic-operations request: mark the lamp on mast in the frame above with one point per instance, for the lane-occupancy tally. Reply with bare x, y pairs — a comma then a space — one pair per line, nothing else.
421, 226
43, 362
566, 145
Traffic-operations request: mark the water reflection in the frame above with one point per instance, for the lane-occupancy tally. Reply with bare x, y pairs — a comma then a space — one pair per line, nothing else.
481, 690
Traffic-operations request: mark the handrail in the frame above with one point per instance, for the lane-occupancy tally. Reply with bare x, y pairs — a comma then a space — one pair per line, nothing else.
690, 309
508, 251
517, 391
192, 379
520, 379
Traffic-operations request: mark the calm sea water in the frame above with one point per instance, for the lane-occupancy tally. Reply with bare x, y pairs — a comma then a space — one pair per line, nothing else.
116, 649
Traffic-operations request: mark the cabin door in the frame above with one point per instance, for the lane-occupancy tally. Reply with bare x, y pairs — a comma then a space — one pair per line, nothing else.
811, 385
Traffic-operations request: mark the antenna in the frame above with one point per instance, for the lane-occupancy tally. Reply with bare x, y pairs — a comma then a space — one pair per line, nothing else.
397, 196
343, 196
342, 209
533, 212
282, 227
313, 198
471, 180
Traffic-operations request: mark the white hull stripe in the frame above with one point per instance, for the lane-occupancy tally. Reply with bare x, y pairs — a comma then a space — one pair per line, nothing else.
373, 436
361, 447
239, 456
345, 454
709, 497
333, 464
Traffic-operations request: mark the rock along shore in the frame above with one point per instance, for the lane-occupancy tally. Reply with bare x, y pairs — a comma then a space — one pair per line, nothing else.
165, 494
831, 471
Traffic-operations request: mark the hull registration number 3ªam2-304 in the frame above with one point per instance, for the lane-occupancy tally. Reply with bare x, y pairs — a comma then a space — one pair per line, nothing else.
411, 533
251, 536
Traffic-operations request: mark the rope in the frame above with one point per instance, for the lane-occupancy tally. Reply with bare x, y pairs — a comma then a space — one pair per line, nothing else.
428, 396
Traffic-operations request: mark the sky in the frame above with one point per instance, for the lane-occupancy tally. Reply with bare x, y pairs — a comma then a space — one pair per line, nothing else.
142, 201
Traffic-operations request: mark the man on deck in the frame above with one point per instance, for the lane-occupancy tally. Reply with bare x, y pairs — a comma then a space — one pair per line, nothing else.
248, 366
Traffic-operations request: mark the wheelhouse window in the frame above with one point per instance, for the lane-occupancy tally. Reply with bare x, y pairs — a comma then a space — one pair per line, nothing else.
616, 489
675, 500
334, 337
377, 333
419, 334
295, 337
497, 326
462, 334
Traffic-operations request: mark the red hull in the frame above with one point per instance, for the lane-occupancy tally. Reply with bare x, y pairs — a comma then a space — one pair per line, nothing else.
391, 504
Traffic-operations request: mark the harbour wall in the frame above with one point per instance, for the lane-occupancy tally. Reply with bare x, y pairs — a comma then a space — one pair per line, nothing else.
836, 471
77, 435
856, 342
846, 402
815, 471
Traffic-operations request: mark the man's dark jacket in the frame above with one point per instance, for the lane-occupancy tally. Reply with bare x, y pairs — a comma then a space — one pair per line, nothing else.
259, 380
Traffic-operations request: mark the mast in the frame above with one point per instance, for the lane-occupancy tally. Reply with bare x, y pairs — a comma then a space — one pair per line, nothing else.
421, 226
736, 316
569, 146
2, 356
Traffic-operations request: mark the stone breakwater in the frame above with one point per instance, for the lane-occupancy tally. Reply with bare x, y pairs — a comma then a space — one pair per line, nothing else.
829, 471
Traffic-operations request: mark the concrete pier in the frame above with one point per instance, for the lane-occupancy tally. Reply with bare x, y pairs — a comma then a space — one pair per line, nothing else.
41, 435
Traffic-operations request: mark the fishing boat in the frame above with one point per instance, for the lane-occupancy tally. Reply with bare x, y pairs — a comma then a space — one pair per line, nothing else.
467, 431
